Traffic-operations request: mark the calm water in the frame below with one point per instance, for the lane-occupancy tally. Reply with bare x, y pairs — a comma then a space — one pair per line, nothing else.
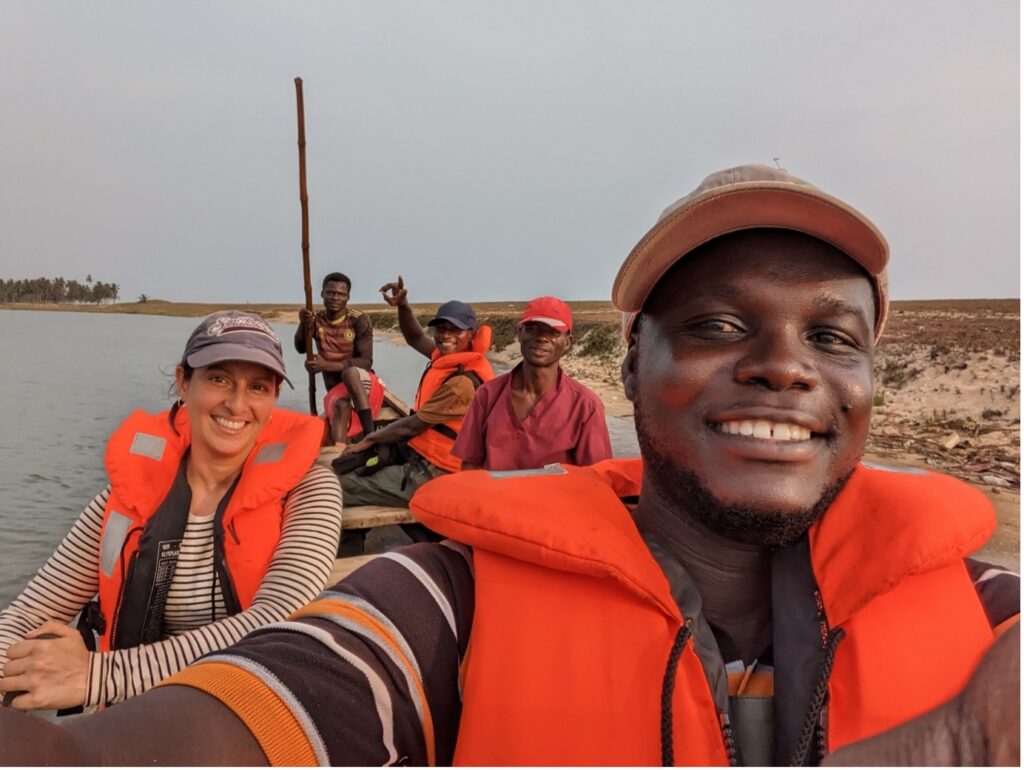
68, 379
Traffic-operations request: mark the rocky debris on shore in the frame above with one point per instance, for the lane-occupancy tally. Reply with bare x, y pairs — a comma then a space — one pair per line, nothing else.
947, 390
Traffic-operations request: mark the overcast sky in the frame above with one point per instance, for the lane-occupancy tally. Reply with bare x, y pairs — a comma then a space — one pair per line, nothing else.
489, 150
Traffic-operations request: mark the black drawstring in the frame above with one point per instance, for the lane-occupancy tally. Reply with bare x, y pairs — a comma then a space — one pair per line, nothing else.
667, 686
835, 636
730, 743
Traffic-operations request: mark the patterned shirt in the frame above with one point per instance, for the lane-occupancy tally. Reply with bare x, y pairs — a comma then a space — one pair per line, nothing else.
347, 339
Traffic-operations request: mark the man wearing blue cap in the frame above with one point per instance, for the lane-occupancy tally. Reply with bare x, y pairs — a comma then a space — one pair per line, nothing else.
388, 465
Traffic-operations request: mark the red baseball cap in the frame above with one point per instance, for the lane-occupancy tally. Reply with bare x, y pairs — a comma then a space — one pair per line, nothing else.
548, 310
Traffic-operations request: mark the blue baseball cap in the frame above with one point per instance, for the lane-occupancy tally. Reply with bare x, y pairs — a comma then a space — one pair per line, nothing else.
457, 313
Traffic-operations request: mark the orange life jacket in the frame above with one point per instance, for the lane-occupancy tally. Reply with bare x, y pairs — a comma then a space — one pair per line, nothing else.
574, 620
143, 461
435, 444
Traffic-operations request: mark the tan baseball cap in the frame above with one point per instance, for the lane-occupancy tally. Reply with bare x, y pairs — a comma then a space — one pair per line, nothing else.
743, 198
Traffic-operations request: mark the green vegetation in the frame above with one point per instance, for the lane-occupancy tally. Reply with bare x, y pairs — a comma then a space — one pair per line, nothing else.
947, 419
896, 372
161, 307
503, 330
56, 291
503, 327
598, 339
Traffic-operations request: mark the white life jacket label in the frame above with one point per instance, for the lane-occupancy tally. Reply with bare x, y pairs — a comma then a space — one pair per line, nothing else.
554, 469
148, 446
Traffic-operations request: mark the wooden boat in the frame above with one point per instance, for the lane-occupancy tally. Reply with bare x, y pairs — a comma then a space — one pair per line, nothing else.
358, 520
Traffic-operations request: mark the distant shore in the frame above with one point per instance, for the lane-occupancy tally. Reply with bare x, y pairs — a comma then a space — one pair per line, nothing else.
947, 380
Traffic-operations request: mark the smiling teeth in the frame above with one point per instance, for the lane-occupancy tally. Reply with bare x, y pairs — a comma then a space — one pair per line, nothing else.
230, 424
780, 431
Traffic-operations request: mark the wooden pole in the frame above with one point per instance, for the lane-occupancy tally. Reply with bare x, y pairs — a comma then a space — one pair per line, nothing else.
304, 200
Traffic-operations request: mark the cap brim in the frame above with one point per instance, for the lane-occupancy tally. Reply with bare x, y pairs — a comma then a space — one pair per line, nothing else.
745, 206
554, 323
454, 321
226, 351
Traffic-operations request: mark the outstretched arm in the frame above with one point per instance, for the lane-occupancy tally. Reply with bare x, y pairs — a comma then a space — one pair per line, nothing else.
139, 732
450, 401
399, 430
366, 675
396, 295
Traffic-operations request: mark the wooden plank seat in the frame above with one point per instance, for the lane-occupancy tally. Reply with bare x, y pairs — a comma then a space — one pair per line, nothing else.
369, 516
358, 520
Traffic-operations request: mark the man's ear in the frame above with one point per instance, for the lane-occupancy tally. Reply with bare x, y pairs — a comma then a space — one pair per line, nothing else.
568, 345
629, 382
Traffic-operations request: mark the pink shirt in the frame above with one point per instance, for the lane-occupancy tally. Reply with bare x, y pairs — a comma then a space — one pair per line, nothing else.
565, 425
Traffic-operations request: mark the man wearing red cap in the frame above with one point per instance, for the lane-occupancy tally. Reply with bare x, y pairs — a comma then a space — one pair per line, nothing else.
536, 414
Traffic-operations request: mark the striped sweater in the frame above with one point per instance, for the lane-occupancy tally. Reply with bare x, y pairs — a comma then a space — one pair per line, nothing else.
298, 570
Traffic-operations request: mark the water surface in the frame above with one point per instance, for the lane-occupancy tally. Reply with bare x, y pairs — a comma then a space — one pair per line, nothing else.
67, 381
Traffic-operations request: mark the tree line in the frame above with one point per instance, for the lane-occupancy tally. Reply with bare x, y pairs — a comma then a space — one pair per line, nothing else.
57, 290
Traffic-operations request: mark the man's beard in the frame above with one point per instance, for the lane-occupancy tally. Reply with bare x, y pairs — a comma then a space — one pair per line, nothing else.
762, 527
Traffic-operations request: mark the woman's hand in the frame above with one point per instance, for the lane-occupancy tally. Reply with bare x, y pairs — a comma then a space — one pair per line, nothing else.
50, 672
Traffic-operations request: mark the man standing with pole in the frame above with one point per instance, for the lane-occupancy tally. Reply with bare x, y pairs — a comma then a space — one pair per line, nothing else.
304, 200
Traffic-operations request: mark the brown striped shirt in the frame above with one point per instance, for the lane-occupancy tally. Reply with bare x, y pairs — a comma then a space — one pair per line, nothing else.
369, 673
